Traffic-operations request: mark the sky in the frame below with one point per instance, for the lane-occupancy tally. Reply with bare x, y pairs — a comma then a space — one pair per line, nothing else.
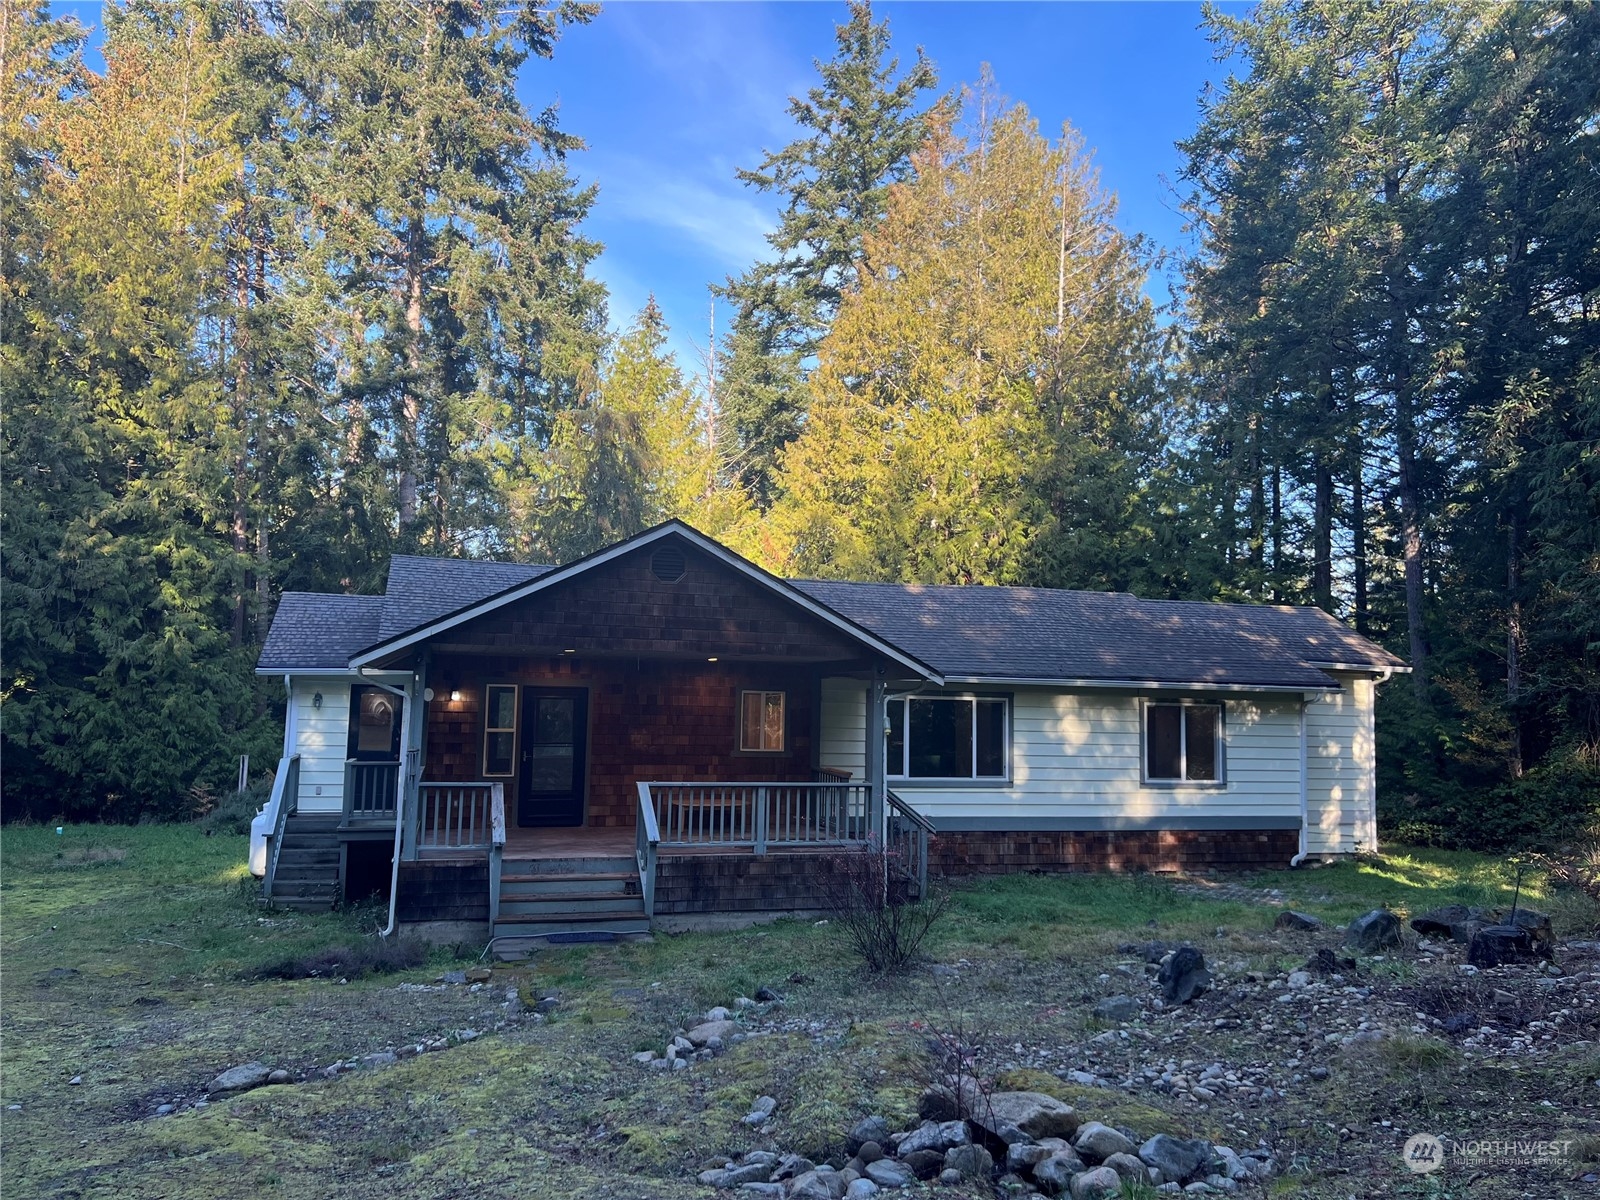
672, 98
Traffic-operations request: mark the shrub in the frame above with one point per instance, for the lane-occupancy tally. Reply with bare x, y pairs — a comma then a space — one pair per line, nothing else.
885, 929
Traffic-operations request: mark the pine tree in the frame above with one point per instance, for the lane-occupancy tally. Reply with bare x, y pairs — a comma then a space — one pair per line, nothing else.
859, 127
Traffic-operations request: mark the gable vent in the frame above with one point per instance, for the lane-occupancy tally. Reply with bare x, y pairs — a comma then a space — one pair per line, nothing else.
667, 564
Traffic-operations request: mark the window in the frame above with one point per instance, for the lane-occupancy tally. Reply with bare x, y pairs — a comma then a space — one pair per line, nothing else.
500, 729
949, 737
1183, 743
374, 724
761, 722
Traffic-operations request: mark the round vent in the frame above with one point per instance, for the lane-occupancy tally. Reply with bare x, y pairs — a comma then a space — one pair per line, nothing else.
667, 564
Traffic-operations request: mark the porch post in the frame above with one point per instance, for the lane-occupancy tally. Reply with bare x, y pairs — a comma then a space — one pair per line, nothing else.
876, 768
416, 728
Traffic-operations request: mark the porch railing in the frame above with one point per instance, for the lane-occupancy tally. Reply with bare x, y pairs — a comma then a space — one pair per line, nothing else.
370, 789
497, 847
646, 846
459, 816
282, 803
907, 844
760, 815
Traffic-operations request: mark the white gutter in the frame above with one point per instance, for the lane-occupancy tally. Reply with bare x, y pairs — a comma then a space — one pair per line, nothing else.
1305, 807
1132, 685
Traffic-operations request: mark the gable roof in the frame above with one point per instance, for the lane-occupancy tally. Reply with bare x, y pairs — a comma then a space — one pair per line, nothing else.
318, 631
674, 529
1045, 634
968, 634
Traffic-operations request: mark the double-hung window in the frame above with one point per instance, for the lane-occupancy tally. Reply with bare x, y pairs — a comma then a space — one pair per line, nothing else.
1183, 743
950, 737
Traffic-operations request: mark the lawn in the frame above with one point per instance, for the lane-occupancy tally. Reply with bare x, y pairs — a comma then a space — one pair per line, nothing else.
131, 973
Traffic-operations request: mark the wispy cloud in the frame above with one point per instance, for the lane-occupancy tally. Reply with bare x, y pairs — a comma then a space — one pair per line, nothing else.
719, 217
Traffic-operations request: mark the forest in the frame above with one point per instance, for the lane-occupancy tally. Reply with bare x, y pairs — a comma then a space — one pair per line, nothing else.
288, 287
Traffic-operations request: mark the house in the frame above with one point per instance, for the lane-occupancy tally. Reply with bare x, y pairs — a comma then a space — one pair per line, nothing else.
663, 728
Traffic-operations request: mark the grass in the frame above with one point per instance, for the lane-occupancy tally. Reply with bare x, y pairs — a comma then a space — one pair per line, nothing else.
138, 960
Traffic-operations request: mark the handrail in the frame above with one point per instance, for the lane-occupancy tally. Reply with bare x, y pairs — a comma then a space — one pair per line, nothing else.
283, 801
497, 847
647, 843
907, 842
830, 775
456, 816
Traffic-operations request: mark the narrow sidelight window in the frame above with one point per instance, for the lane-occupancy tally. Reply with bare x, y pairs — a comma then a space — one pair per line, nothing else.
1183, 743
762, 722
500, 729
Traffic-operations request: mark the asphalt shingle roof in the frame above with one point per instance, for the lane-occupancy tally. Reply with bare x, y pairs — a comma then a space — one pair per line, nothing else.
962, 632
313, 630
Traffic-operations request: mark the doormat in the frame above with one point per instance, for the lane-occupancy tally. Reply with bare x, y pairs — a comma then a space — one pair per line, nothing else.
568, 939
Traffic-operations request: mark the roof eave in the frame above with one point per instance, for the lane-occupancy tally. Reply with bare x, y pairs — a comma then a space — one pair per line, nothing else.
1140, 685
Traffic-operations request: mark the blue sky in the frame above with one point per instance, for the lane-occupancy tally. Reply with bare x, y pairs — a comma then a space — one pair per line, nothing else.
673, 97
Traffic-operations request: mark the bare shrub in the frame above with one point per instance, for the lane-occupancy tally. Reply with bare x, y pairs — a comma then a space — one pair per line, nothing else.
863, 897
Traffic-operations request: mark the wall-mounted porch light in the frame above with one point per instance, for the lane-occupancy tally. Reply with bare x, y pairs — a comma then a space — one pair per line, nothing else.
455, 696
316, 701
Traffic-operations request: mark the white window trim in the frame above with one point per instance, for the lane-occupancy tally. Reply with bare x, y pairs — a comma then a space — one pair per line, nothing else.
1220, 782
899, 774
783, 700
516, 737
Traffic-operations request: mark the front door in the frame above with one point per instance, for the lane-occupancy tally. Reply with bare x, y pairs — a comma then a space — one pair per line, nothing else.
555, 722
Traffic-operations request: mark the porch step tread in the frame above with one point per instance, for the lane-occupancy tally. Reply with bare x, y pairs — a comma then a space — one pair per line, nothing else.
564, 877
567, 918
620, 904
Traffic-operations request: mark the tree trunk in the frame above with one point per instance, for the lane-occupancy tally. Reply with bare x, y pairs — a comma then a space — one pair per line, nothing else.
1358, 538
1322, 500
1513, 647
410, 400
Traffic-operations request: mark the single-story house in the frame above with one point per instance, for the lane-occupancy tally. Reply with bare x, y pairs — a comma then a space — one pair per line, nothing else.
664, 728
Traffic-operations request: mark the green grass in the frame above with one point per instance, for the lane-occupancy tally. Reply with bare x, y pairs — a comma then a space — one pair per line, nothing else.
132, 955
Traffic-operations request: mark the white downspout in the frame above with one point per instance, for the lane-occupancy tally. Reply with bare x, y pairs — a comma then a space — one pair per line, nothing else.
1305, 808
399, 816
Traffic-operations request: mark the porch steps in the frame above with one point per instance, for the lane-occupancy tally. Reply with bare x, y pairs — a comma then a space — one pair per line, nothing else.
553, 896
307, 878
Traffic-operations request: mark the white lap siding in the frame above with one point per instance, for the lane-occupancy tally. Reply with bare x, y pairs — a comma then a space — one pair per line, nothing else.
1341, 800
1076, 765
844, 718
322, 739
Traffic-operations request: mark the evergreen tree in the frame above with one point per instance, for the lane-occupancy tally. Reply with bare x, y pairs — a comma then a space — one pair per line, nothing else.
859, 127
979, 361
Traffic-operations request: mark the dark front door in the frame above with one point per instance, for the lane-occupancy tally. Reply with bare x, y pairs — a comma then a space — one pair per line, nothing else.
554, 724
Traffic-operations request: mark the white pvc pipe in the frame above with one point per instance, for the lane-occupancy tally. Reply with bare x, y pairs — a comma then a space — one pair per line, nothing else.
1305, 807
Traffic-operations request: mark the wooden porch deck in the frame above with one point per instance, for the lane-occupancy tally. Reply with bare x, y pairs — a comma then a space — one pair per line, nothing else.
532, 845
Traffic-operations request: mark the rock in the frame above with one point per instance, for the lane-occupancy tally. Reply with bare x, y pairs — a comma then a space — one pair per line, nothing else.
870, 1152
1454, 921
1096, 1142
1373, 933
1176, 1158
1495, 945
792, 1166
860, 1189
645, 1057
1117, 1009
868, 1129
924, 1164
1128, 1167
702, 1034
764, 1191
547, 1005
1461, 1022
383, 1058
162, 1110
887, 1173
760, 1111
278, 1076
1055, 1174
969, 1161
950, 1178
1319, 1073
718, 1014
235, 1079
477, 975
1299, 979
938, 1104
934, 1135
1232, 1166
732, 1177
453, 977
1101, 1183
1022, 1156
765, 1157
766, 995
818, 1185
1539, 929
1326, 962
1299, 922
1037, 1115
1183, 976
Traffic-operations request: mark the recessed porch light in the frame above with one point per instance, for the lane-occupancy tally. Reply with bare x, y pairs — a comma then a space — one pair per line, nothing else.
713, 658
569, 652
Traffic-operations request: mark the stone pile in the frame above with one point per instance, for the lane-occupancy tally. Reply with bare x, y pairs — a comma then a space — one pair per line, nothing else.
1021, 1142
698, 1043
